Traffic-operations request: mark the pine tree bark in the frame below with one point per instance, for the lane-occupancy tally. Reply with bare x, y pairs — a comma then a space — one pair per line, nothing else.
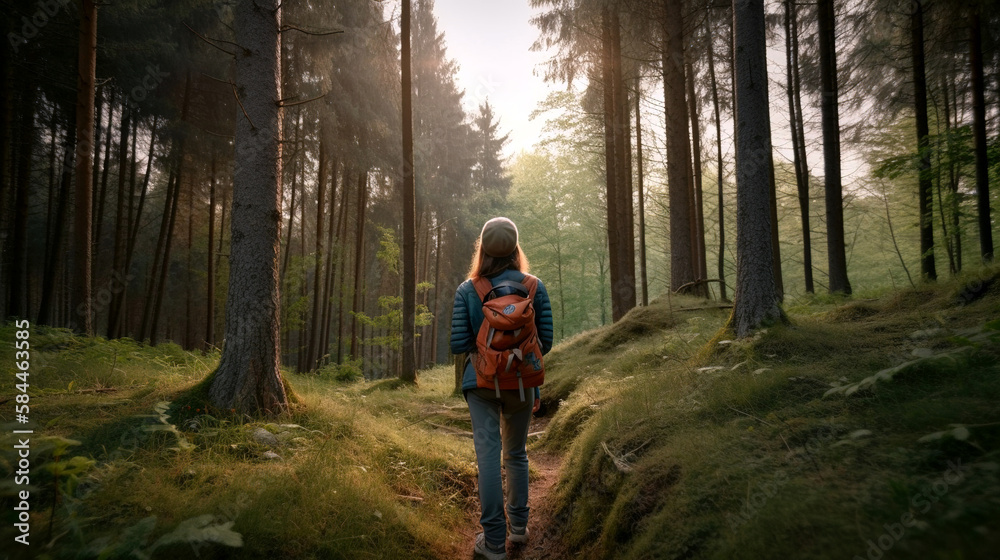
291, 206
315, 329
979, 137
409, 368
641, 196
324, 348
18, 302
624, 287
117, 309
159, 287
925, 206
249, 376
342, 252
82, 304
611, 162
954, 210
798, 137
209, 341
161, 284
754, 303
161, 238
359, 243
6, 173
118, 257
697, 209
53, 266
96, 175
779, 283
105, 166
682, 265
720, 170
829, 108
437, 295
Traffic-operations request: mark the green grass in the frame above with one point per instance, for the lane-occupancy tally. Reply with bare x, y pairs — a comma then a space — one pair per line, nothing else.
362, 474
678, 442
732, 451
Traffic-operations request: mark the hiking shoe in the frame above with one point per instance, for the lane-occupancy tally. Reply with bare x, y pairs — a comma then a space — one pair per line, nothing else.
486, 550
518, 535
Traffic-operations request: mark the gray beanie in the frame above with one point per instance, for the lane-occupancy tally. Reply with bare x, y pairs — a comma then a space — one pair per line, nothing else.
499, 237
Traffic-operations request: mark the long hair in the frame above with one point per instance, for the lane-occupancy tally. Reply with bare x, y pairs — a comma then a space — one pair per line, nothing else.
484, 265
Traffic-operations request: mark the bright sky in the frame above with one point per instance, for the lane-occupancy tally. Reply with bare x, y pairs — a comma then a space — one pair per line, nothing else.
490, 42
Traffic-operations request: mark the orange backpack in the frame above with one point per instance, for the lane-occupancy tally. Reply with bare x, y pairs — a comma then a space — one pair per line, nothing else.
508, 355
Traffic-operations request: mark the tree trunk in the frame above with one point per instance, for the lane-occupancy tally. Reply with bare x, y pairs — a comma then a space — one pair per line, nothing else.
409, 368
18, 302
118, 260
754, 303
291, 206
979, 137
437, 294
189, 282
249, 375
324, 347
798, 137
95, 177
829, 108
643, 277
928, 271
6, 172
102, 195
624, 287
341, 290
954, 210
720, 169
611, 162
116, 311
82, 217
682, 265
359, 243
161, 284
317, 310
697, 210
53, 266
779, 283
170, 216
209, 342
147, 311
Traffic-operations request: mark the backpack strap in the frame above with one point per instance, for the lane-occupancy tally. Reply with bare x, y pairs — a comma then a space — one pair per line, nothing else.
483, 287
530, 282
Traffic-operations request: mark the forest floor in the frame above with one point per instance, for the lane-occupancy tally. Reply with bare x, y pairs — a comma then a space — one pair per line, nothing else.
865, 428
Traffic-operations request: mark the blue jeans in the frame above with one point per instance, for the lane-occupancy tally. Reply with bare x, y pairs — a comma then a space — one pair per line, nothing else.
492, 417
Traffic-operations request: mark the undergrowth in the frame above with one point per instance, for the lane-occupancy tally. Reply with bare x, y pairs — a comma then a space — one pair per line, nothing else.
866, 428
135, 463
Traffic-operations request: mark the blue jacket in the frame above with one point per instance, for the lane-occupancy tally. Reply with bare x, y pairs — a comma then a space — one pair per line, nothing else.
467, 316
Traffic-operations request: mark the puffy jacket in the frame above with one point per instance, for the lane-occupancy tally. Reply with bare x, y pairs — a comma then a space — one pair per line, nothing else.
467, 316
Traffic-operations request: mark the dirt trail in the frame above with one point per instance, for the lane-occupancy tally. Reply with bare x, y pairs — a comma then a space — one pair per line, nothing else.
542, 544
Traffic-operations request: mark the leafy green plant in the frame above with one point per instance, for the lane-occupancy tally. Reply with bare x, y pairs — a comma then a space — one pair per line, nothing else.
132, 542
159, 421
346, 372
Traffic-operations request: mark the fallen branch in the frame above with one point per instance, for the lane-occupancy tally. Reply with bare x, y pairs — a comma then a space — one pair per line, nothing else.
620, 463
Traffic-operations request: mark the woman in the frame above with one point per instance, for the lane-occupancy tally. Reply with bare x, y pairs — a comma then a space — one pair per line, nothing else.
498, 257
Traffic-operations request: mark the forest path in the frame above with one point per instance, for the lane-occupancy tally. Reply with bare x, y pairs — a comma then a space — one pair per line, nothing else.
542, 543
